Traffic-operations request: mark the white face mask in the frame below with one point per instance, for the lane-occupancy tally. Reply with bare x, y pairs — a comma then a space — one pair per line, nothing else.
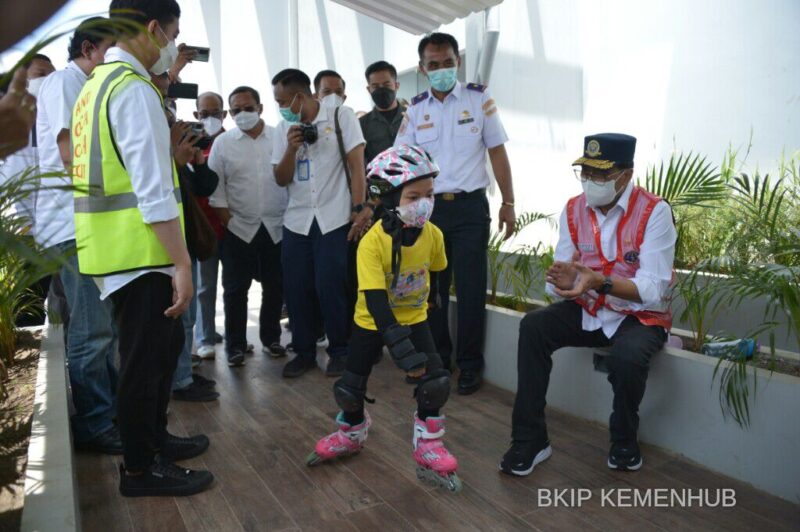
167, 56
599, 195
212, 125
34, 85
416, 213
246, 120
332, 101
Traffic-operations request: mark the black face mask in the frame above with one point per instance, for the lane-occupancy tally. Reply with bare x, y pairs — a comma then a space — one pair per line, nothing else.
383, 97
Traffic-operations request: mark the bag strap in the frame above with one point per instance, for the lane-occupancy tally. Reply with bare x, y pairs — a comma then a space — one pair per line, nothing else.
340, 141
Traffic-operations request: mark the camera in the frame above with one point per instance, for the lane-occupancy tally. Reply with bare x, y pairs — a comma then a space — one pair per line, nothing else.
310, 133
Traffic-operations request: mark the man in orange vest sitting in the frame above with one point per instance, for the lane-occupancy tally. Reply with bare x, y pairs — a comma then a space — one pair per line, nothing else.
613, 272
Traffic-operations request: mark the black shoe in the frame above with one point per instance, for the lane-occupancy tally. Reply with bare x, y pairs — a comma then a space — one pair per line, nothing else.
218, 338
177, 448
236, 358
108, 442
195, 393
165, 480
250, 349
336, 366
299, 365
202, 381
469, 381
523, 456
625, 457
275, 350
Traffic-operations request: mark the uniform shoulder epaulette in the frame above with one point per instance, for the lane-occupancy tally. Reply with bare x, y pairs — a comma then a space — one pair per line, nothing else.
419, 98
476, 87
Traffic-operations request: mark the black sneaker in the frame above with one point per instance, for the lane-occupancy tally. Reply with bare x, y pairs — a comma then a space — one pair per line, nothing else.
218, 338
523, 456
625, 457
202, 381
108, 442
177, 448
275, 350
236, 358
195, 393
299, 365
164, 480
336, 366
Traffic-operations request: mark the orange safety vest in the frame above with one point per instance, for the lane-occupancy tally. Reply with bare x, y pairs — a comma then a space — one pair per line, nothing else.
585, 233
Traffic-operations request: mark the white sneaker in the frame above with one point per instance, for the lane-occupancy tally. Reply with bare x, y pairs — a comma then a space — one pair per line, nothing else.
206, 351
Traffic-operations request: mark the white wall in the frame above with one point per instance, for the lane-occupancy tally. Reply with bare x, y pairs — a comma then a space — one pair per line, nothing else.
696, 75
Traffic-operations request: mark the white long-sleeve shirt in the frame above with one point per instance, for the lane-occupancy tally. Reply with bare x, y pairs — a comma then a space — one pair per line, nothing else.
656, 258
142, 136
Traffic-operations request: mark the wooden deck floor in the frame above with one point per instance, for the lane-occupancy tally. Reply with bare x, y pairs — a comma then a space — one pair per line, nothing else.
263, 426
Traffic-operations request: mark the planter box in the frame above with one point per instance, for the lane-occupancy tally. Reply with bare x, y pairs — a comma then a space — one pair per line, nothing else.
50, 502
680, 411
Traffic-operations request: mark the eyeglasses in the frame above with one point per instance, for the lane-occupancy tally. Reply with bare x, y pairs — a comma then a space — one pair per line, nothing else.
206, 114
598, 178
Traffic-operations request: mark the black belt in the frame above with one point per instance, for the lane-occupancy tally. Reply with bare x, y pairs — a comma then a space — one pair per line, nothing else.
456, 196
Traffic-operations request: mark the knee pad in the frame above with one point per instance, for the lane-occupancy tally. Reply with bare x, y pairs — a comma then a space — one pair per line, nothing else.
434, 389
350, 391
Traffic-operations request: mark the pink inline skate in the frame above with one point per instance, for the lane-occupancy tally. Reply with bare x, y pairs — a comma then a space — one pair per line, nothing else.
344, 442
435, 464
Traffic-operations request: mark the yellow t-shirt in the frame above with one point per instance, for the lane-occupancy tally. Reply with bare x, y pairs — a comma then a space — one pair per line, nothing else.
409, 299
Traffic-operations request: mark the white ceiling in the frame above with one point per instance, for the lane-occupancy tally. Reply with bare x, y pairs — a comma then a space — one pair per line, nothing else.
417, 16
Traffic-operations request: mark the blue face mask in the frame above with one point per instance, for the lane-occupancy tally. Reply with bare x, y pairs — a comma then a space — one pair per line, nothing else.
443, 79
288, 114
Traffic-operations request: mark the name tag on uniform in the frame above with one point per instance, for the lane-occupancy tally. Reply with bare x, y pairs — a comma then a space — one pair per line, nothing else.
303, 170
466, 121
425, 126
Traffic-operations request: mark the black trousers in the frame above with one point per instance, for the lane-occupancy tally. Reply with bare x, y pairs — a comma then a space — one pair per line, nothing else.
242, 263
465, 225
365, 348
543, 331
149, 346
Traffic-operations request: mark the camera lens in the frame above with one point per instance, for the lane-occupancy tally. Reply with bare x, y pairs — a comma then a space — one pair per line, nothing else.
310, 134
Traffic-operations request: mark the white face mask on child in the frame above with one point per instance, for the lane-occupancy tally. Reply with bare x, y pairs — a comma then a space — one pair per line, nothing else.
416, 213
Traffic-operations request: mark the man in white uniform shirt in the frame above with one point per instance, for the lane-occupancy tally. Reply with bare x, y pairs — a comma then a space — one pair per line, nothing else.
324, 212
458, 124
129, 232
250, 205
91, 334
613, 270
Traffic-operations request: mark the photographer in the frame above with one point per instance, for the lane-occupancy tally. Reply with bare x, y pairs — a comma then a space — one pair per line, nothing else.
308, 161
250, 205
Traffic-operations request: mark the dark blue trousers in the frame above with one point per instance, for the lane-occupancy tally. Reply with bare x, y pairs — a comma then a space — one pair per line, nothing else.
317, 263
464, 221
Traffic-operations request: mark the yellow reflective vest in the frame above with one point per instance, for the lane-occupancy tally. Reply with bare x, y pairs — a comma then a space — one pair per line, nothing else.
111, 235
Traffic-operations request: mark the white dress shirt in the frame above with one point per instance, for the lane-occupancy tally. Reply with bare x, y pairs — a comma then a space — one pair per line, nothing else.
456, 132
23, 163
247, 186
324, 195
142, 136
55, 208
656, 258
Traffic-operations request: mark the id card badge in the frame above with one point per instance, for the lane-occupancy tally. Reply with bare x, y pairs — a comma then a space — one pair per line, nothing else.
303, 170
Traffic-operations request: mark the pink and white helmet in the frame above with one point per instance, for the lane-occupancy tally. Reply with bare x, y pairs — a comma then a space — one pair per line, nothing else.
394, 167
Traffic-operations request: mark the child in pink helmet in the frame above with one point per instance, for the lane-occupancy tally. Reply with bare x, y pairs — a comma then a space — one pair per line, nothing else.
395, 261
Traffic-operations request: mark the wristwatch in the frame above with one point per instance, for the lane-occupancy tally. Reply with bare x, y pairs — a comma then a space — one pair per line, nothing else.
356, 209
606, 287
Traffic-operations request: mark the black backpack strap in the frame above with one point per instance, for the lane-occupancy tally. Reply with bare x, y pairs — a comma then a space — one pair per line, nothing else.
340, 141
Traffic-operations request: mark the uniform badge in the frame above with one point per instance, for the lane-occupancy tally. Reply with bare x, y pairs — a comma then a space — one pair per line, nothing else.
424, 126
593, 148
632, 257
464, 114
426, 117
328, 130
474, 129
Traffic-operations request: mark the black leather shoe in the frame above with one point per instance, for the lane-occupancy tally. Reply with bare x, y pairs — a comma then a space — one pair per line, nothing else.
195, 393
298, 365
177, 448
469, 381
108, 442
336, 366
164, 480
624, 457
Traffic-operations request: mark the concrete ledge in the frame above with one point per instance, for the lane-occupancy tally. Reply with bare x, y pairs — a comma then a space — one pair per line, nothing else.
680, 411
50, 501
